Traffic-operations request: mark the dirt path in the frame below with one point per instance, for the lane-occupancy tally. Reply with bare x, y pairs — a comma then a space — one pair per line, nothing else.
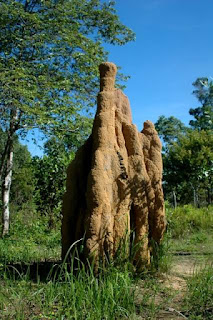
183, 267
167, 300
175, 280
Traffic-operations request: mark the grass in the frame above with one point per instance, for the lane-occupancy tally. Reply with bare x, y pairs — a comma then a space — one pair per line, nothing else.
191, 229
200, 242
34, 286
191, 232
162, 258
74, 295
199, 297
151, 296
30, 240
186, 220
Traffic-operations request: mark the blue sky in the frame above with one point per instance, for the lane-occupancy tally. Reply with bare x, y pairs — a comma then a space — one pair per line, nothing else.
173, 47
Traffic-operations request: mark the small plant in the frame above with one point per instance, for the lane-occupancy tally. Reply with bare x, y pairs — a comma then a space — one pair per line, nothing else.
161, 258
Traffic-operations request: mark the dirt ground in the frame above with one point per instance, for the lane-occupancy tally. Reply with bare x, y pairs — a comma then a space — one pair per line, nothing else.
173, 286
182, 267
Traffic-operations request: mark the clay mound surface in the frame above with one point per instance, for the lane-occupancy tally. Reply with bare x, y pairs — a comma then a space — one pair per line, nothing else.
114, 184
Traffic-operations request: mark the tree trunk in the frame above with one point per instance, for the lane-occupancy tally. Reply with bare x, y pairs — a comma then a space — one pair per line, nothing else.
174, 199
195, 197
15, 117
4, 157
209, 190
6, 191
209, 196
6, 171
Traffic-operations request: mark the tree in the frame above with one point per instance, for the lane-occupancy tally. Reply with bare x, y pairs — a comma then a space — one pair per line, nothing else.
23, 182
22, 187
50, 51
50, 171
169, 129
50, 176
187, 157
188, 167
203, 115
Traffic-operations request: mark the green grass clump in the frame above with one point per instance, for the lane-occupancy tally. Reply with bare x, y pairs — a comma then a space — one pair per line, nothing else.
199, 298
161, 258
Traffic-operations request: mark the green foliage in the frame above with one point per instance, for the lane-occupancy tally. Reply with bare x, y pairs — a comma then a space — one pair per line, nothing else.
200, 294
188, 152
66, 291
161, 258
188, 166
169, 129
95, 295
74, 292
203, 115
50, 176
49, 57
30, 239
22, 179
23, 183
50, 170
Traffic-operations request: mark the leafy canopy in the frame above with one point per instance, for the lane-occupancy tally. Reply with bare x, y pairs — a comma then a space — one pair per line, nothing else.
169, 128
191, 157
49, 56
50, 176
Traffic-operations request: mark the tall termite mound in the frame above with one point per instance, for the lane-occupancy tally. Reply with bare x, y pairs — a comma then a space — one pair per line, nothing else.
114, 184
